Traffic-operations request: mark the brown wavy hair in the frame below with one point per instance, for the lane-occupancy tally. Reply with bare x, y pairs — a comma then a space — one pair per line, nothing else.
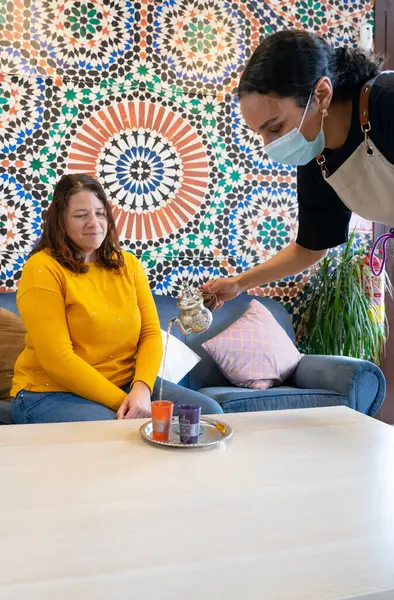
55, 239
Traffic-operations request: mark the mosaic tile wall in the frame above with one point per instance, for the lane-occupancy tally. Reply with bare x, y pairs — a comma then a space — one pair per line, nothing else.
139, 94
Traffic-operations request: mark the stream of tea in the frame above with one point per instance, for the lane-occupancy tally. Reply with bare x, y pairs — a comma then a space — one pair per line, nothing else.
170, 324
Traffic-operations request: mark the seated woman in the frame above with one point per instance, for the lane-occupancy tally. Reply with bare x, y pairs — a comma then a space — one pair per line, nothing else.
93, 343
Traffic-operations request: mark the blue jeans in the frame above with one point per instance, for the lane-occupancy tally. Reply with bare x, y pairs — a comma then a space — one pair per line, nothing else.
60, 407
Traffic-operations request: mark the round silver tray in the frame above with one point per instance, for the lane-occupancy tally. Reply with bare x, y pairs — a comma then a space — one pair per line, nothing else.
212, 432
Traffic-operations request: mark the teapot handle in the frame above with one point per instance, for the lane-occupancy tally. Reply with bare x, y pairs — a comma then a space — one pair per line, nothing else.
210, 301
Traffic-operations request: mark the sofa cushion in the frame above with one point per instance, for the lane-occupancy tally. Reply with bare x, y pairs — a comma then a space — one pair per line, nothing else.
8, 301
167, 309
207, 373
233, 399
255, 351
12, 342
5, 413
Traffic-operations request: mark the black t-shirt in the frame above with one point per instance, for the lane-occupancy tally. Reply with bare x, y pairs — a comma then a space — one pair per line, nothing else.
323, 217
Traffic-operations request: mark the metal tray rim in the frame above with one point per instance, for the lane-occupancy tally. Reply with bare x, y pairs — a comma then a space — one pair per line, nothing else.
198, 446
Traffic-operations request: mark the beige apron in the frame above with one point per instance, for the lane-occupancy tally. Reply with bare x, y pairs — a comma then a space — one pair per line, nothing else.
365, 181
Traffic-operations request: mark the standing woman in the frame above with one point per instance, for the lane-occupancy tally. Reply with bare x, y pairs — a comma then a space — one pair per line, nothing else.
330, 113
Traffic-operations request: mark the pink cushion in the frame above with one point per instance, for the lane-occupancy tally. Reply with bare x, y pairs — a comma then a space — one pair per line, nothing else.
254, 352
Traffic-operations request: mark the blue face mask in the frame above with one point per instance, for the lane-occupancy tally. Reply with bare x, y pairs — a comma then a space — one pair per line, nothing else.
293, 149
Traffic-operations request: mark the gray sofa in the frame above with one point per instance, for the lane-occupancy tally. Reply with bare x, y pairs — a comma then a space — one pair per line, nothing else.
318, 380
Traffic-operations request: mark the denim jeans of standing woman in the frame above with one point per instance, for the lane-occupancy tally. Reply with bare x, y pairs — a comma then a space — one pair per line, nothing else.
61, 407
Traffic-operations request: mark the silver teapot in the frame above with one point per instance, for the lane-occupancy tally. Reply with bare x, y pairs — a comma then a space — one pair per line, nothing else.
195, 317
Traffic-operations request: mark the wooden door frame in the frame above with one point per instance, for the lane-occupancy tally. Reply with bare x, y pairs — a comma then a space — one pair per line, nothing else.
384, 43
384, 11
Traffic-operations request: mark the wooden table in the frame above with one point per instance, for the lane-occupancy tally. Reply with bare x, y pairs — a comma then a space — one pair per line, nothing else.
299, 505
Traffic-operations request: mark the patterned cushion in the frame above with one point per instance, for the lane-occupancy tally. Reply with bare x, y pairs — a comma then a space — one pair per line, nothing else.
254, 352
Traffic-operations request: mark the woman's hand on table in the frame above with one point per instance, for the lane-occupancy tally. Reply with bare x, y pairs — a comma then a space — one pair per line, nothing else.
137, 404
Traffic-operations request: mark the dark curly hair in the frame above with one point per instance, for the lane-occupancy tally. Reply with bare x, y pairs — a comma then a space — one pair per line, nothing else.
55, 239
290, 63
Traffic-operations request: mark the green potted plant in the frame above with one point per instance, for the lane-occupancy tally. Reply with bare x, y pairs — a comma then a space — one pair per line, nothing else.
339, 316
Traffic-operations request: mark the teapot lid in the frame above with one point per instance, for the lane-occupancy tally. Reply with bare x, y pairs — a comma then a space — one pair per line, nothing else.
189, 298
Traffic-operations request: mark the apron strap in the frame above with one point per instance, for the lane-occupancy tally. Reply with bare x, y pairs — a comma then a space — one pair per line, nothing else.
384, 239
364, 102
364, 105
364, 114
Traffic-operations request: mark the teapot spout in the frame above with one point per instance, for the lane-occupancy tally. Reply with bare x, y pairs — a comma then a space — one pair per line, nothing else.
184, 331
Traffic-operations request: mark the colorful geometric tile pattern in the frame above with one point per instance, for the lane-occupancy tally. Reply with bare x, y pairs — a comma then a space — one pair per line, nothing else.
139, 94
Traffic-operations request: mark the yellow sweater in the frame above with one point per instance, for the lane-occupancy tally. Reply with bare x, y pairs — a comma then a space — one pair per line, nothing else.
88, 334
